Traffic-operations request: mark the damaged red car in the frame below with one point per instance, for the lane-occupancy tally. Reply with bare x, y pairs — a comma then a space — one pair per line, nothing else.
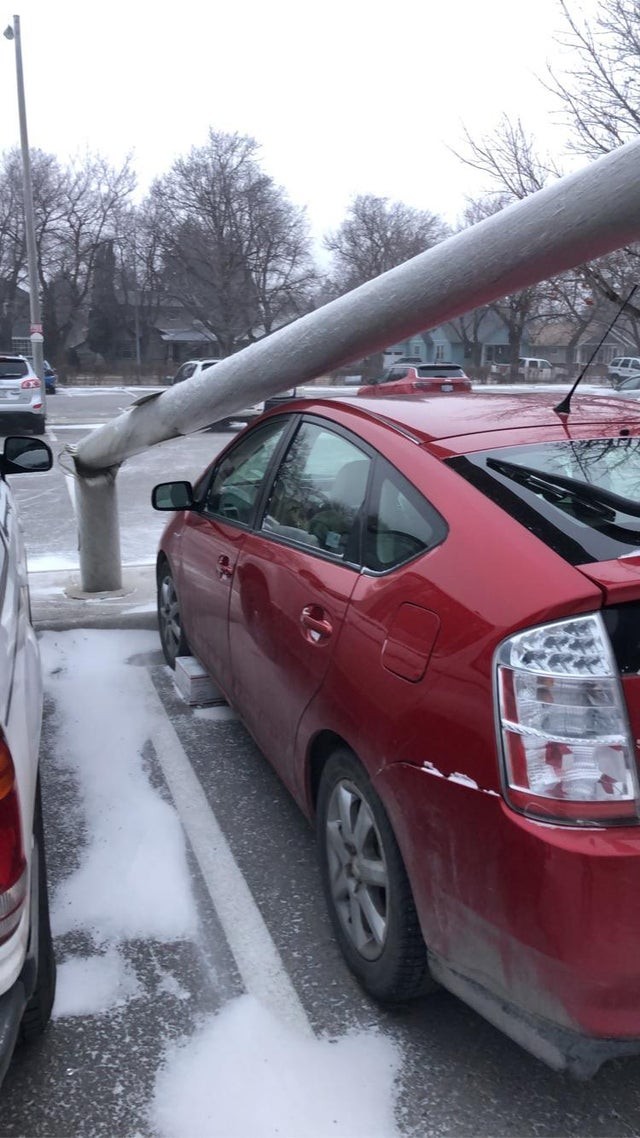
427, 612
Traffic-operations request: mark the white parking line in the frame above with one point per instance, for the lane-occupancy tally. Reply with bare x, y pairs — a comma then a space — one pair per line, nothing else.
258, 960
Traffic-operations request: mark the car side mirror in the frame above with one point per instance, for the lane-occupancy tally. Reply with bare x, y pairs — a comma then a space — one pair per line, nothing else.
22, 455
172, 496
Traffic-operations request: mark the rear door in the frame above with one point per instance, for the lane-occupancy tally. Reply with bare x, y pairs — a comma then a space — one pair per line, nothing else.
293, 580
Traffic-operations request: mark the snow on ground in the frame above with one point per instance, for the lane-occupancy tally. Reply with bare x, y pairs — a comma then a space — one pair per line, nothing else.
244, 1073
296, 1088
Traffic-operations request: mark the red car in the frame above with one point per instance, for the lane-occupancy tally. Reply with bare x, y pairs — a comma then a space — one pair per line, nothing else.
423, 379
428, 616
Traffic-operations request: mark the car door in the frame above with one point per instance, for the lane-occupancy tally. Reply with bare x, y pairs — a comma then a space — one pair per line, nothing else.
294, 576
212, 538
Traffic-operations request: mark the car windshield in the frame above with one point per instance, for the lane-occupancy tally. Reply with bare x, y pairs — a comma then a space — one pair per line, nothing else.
13, 369
582, 497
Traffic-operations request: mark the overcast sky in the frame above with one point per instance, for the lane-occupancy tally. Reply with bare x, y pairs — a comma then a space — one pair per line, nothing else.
345, 96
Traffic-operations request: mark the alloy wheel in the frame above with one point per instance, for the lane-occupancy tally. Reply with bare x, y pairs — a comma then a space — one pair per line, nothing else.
358, 876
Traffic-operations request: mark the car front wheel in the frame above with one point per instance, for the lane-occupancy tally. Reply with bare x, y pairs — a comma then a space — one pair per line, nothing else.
366, 885
174, 641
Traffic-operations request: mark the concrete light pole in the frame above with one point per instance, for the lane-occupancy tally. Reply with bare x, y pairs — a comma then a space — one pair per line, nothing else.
37, 348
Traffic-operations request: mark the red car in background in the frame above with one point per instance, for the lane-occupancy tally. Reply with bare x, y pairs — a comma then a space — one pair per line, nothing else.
419, 379
427, 613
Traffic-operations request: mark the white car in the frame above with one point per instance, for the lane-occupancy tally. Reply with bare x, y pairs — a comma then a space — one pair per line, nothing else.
192, 369
27, 964
21, 392
623, 368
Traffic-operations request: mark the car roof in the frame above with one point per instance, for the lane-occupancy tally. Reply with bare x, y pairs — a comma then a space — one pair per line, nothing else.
477, 420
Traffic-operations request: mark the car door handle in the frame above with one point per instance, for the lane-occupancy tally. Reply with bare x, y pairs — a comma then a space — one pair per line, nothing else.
225, 568
317, 627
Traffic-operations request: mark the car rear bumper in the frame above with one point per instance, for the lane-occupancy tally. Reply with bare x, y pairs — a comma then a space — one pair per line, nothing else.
542, 920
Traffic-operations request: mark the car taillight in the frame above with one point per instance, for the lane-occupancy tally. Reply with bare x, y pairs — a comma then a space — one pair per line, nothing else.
13, 866
567, 747
30, 383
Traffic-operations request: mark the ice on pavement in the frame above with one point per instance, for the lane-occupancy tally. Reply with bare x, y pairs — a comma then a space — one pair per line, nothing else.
243, 1074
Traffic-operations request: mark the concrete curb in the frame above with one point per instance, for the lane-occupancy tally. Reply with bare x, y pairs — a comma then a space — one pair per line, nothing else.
58, 602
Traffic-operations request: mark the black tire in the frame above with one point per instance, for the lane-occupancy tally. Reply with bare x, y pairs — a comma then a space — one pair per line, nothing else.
172, 637
38, 424
38, 1010
366, 886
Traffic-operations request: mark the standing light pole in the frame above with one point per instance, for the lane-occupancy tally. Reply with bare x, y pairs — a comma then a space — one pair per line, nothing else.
37, 348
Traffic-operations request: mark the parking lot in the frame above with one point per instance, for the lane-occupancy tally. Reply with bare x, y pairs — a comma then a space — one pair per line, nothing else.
200, 987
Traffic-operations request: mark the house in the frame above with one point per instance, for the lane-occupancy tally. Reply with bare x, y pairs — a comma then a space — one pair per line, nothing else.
475, 339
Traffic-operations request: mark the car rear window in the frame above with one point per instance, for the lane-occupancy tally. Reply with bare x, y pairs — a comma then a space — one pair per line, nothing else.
438, 371
11, 369
581, 497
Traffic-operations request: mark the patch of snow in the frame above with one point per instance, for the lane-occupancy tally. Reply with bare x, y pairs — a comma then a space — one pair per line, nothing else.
135, 859
247, 1075
244, 1073
87, 985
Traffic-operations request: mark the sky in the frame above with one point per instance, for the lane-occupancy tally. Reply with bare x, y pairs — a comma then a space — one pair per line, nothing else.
345, 97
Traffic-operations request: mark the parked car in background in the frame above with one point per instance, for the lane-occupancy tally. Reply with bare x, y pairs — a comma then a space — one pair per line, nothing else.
27, 965
50, 376
411, 379
629, 387
622, 368
428, 615
531, 368
193, 369
21, 393
50, 379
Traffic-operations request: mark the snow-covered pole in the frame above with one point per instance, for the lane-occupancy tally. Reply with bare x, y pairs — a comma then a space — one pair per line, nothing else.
578, 218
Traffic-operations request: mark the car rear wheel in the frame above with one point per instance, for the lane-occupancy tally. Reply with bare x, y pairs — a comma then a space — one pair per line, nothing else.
174, 641
366, 886
38, 1010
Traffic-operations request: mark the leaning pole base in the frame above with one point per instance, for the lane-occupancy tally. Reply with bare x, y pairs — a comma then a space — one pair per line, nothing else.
97, 515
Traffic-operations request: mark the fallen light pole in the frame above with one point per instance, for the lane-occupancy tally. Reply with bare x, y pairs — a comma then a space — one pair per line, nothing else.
578, 218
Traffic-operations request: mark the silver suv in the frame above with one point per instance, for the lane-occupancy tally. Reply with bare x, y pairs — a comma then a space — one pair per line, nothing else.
27, 965
623, 367
21, 392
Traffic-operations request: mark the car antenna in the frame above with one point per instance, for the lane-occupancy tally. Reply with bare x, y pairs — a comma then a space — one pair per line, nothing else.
564, 406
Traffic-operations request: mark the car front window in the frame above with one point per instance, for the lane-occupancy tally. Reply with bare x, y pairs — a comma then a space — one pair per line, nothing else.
236, 483
318, 491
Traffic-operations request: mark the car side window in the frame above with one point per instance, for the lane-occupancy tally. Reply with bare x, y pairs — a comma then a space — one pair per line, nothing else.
401, 523
318, 492
236, 482
394, 374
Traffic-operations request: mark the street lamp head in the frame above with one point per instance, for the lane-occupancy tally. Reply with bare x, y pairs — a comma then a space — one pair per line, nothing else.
8, 32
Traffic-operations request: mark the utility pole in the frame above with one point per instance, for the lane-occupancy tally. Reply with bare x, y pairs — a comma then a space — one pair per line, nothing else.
37, 341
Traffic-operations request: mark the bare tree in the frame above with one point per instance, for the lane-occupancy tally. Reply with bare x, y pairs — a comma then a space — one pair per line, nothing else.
84, 214
600, 90
235, 251
376, 235
509, 158
12, 243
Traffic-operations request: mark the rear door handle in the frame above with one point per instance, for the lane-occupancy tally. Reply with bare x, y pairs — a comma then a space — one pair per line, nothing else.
317, 626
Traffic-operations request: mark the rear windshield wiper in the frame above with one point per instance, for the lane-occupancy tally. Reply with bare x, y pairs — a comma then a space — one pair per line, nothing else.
604, 500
